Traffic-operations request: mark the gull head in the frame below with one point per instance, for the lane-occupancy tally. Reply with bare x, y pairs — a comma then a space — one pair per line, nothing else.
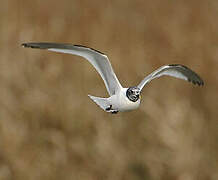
133, 94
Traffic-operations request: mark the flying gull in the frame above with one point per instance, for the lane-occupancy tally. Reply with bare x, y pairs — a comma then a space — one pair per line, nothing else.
121, 99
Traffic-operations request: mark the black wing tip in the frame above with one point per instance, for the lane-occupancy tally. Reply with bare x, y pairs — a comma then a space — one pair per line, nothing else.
24, 45
32, 45
198, 82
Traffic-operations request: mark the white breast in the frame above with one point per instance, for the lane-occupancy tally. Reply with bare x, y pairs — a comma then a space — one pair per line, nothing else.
121, 103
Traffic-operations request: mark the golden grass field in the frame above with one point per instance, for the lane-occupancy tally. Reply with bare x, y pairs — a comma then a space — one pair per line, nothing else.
51, 130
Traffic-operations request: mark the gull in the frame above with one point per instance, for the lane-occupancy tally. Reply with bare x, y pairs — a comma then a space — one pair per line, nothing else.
120, 99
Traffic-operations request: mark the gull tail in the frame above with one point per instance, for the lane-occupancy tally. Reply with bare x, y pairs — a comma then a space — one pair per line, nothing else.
101, 102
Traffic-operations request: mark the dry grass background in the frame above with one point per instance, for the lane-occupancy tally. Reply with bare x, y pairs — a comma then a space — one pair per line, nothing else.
50, 129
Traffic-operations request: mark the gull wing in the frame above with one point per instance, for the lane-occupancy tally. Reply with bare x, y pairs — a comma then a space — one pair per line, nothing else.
99, 60
174, 70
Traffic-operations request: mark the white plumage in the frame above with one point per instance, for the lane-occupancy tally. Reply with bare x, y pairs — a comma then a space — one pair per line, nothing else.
121, 99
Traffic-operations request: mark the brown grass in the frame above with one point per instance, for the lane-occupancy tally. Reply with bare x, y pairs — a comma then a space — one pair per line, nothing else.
50, 129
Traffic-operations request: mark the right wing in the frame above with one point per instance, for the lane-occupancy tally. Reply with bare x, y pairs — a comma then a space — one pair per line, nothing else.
99, 60
174, 70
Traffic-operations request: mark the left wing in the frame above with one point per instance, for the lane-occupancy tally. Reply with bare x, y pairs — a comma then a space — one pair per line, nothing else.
174, 70
99, 61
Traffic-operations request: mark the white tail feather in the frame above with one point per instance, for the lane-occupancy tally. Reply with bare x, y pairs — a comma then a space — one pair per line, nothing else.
101, 102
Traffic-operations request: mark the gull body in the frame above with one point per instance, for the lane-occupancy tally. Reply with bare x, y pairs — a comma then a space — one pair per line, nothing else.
120, 99
118, 102
121, 103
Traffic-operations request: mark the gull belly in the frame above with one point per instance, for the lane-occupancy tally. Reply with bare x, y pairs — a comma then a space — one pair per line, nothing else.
121, 103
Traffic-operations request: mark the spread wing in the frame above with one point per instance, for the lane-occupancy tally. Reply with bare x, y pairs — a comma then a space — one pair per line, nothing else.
99, 60
174, 70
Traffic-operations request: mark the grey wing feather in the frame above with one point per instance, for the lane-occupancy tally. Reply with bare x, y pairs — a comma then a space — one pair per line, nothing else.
99, 60
174, 70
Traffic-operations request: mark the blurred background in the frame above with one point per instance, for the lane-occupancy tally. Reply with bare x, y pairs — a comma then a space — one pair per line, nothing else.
50, 129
